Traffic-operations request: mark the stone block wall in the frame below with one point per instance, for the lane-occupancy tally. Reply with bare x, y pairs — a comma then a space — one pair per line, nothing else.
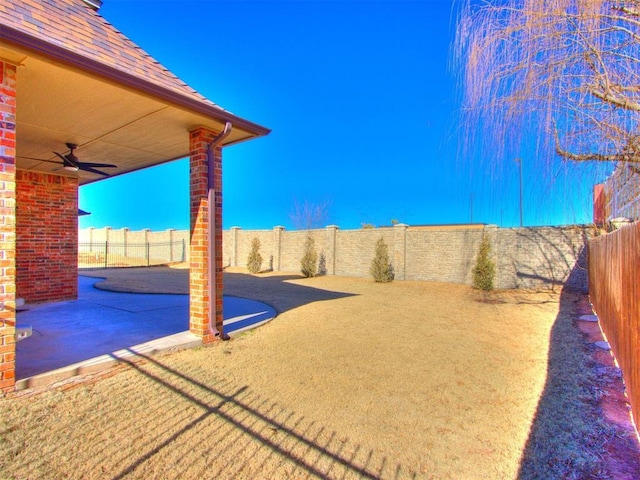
537, 257
542, 256
292, 247
441, 254
236, 247
532, 257
355, 249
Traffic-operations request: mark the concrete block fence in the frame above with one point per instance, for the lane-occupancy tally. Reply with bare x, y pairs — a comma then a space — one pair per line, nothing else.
525, 257
531, 257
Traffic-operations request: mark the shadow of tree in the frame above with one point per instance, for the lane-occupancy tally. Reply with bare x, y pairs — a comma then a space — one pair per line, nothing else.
546, 258
568, 437
280, 443
275, 290
278, 290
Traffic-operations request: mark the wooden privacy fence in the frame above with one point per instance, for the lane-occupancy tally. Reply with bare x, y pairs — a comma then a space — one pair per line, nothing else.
614, 280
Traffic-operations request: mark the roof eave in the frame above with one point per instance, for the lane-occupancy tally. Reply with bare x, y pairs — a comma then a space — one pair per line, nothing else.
67, 57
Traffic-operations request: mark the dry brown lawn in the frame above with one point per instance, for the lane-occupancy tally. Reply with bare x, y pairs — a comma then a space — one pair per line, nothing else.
353, 379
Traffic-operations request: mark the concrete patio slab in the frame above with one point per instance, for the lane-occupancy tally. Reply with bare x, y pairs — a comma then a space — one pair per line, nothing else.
93, 332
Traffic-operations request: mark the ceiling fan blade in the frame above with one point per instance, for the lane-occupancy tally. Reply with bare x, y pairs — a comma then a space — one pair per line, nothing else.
93, 170
91, 164
62, 157
68, 161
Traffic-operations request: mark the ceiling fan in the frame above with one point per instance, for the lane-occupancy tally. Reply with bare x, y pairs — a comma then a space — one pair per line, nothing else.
71, 163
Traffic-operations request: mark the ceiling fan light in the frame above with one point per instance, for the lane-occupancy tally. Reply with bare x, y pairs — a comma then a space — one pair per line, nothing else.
71, 168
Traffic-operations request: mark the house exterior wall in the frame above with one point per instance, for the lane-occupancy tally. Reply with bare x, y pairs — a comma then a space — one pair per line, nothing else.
46, 237
618, 196
8, 78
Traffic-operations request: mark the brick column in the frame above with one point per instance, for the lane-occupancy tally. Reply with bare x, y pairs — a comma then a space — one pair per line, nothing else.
8, 76
199, 140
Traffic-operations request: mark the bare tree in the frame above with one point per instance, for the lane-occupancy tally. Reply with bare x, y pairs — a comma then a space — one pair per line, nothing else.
308, 215
570, 69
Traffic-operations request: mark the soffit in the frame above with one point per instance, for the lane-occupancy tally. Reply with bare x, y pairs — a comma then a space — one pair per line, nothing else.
109, 122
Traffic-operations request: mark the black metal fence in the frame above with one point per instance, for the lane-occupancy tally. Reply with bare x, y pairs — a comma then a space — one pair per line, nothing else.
114, 255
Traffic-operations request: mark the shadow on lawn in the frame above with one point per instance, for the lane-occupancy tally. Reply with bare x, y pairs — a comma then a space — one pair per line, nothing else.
568, 437
281, 443
277, 290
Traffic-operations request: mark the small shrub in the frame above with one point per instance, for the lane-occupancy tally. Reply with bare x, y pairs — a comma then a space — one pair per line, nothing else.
381, 269
485, 270
309, 261
254, 261
322, 264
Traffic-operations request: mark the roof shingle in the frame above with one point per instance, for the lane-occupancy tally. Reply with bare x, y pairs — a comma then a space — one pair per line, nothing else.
76, 27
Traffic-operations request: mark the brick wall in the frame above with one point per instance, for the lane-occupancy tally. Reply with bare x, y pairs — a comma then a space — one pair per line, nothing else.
46, 236
7, 224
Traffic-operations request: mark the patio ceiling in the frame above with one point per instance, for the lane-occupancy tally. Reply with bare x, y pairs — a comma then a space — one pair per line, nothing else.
129, 123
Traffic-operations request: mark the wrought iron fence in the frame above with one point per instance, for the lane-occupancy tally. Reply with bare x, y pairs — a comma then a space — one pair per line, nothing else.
114, 255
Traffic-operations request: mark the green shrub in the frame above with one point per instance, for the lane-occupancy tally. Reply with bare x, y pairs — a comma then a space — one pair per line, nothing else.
381, 269
254, 261
485, 270
309, 261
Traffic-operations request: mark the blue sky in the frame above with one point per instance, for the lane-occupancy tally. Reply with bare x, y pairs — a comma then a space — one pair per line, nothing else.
362, 104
